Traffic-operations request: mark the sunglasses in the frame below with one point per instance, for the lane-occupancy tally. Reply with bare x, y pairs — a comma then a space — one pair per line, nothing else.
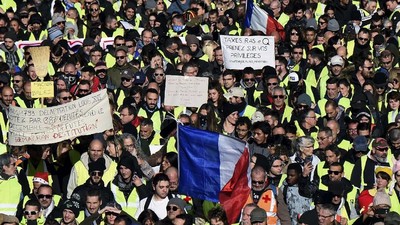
120, 57
382, 149
24, 16
16, 81
125, 79
96, 173
94, 10
302, 106
247, 80
174, 208
45, 196
101, 71
130, 46
158, 74
66, 98
363, 39
273, 84
278, 96
295, 33
30, 213
119, 44
111, 213
297, 53
334, 172
258, 182
59, 23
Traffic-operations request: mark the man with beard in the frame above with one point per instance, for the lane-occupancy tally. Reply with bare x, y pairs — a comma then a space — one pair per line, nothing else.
101, 72
123, 91
150, 109
7, 99
9, 51
281, 64
170, 50
25, 100
318, 72
365, 166
365, 71
18, 81
95, 181
248, 83
332, 92
300, 64
360, 47
159, 200
279, 105
336, 66
115, 73
218, 63
83, 89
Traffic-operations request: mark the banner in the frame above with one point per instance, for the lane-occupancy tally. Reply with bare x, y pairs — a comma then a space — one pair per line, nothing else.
87, 115
254, 51
186, 91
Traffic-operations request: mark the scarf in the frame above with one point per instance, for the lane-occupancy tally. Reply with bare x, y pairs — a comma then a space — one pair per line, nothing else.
124, 187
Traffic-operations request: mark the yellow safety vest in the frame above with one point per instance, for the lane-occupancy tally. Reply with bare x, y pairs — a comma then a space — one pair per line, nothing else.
131, 205
344, 102
157, 118
82, 173
11, 194
4, 127
21, 103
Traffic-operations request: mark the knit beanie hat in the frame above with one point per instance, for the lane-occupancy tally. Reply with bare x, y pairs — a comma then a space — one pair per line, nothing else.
381, 198
98, 165
178, 202
192, 39
54, 32
11, 35
71, 205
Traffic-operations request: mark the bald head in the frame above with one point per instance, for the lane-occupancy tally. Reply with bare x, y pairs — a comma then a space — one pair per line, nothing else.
154, 85
172, 174
334, 125
7, 95
96, 150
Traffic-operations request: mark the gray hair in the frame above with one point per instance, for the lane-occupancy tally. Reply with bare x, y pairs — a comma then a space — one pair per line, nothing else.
279, 88
140, 153
304, 141
5, 160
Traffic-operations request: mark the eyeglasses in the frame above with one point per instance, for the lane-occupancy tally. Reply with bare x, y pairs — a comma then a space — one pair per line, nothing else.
386, 63
120, 57
325, 217
258, 182
45, 196
382, 149
363, 39
174, 208
247, 80
334, 172
295, 33
278, 96
16, 81
125, 79
158, 74
30, 213
96, 173
66, 98
273, 84
84, 90
297, 53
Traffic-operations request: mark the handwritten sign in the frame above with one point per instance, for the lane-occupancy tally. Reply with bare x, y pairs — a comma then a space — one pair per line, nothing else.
254, 51
43, 89
87, 115
186, 91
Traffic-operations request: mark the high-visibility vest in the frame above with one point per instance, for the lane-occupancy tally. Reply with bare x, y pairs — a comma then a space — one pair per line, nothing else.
391, 15
391, 116
130, 205
269, 203
118, 31
19, 54
344, 102
82, 173
283, 19
157, 118
320, 10
6, 4
347, 169
364, 162
11, 194
4, 127
287, 114
21, 103
42, 36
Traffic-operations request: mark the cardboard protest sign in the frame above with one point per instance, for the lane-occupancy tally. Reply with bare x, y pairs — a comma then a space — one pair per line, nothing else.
186, 91
87, 115
43, 89
242, 51
40, 57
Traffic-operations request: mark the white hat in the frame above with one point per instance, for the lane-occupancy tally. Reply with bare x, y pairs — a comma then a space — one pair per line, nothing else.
337, 61
293, 77
234, 92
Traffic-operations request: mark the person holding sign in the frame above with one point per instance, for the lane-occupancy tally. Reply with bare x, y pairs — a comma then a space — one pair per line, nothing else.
25, 100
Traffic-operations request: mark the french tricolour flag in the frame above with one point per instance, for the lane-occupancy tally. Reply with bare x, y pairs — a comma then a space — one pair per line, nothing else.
214, 167
258, 19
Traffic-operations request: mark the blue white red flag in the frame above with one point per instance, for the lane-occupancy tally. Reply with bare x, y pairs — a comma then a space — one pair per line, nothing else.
214, 167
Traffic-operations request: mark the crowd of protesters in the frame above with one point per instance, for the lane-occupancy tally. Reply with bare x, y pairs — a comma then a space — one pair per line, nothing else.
322, 124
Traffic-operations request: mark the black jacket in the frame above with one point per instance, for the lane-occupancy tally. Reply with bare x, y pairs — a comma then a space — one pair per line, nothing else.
81, 191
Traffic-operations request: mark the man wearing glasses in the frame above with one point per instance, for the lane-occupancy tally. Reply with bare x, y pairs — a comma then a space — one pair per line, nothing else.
115, 72
268, 197
32, 212
361, 175
48, 207
95, 181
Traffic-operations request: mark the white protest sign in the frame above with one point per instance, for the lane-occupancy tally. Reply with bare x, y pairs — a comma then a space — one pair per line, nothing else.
87, 115
186, 91
242, 51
